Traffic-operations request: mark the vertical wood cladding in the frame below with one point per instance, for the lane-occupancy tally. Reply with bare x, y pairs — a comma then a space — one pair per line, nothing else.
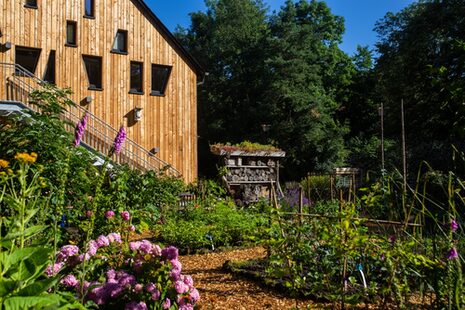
169, 122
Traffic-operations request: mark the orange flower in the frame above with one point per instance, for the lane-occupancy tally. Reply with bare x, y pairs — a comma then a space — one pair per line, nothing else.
4, 163
26, 158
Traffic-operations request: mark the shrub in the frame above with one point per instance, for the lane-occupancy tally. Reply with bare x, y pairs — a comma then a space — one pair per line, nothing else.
216, 225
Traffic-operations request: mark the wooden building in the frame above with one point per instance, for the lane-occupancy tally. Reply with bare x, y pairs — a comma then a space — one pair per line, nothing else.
121, 63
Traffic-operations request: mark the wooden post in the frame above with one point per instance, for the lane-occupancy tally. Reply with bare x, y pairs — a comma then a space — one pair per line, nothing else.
301, 204
404, 152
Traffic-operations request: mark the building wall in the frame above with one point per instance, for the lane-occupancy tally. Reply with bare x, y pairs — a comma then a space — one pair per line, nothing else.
168, 122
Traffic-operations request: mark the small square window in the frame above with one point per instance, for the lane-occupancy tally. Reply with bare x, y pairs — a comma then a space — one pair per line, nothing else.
32, 4
27, 58
94, 71
120, 44
71, 33
136, 78
89, 8
160, 77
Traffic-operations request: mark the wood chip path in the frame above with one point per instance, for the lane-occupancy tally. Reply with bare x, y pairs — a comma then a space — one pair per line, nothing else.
221, 290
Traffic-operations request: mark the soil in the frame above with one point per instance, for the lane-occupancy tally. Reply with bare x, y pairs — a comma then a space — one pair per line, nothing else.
219, 289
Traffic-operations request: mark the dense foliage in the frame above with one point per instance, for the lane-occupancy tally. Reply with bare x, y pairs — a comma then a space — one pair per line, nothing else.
274, 79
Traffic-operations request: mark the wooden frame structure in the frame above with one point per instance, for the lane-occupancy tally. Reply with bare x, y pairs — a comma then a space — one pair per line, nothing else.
250, 175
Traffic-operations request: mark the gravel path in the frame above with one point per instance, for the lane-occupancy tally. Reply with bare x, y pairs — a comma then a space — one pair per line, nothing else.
221, 290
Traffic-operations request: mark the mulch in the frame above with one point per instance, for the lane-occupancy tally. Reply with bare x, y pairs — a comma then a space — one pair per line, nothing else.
219, 289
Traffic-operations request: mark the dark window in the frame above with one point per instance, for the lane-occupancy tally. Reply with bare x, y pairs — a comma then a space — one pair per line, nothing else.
27, 58
71, 34
89, 8
49, 75
31, 4
160, 76
136, 77
120, 44
94, 71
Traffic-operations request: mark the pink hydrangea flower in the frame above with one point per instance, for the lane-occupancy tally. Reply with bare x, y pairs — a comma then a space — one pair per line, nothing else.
180, 287
70, 281
66, 252
150, 287
170, 253
188, 281
194, 295
167, 304
52, 270
145, 247
134, 246
125, 215
102, 241
133, 305
156, 295
109, 214
92, 248
114, 237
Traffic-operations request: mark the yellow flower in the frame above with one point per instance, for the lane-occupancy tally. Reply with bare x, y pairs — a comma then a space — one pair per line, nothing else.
4, 163
26, 158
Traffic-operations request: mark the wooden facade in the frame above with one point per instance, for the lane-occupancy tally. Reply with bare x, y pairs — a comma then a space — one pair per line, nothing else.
169, 121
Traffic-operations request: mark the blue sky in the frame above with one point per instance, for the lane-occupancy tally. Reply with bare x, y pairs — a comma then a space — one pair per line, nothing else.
360, 16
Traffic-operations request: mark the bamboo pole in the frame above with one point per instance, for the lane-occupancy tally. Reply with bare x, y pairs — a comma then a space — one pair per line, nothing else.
356, 219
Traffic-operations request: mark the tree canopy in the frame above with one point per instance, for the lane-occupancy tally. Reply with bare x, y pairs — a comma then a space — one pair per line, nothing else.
272, 78
280, 78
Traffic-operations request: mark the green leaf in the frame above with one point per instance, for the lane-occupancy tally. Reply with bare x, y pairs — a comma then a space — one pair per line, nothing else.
7, 286
38, 287
28, 232
22, 302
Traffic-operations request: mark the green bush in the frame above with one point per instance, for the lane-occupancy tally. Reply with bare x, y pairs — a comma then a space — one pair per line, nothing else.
317, 187
218, 225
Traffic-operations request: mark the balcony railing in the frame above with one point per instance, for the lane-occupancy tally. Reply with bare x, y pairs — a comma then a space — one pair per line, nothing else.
16, 85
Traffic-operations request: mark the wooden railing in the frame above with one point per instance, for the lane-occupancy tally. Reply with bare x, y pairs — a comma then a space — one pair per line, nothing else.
16, 83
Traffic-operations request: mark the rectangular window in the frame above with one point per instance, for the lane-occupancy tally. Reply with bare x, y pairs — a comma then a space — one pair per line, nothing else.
32, 4
71, 33
136, 78
94, 71
49, 75
27, 58
160, 77
89, 6
120, 44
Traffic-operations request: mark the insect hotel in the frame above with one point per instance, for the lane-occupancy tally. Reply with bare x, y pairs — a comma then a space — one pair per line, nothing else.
249, 175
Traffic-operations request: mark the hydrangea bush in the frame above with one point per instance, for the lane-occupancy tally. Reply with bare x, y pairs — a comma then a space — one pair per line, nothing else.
112, 273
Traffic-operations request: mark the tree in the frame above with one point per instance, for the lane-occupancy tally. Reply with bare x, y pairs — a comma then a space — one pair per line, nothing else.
228, 40
307, 71
273, 80
422, 61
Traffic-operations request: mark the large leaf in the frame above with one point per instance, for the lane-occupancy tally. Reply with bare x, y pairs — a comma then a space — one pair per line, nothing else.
38, 287
7, 286
28, 232
21, 302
